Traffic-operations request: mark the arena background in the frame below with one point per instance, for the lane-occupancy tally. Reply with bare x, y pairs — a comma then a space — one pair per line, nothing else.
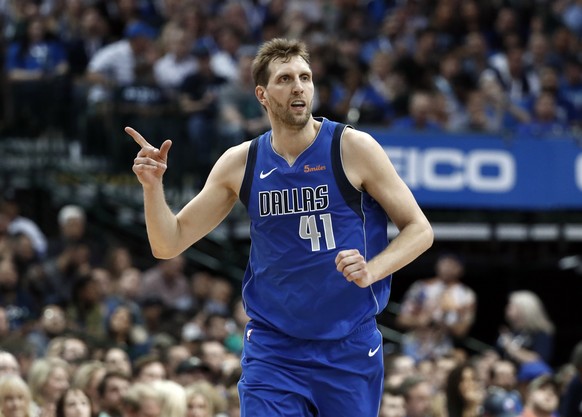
49, 174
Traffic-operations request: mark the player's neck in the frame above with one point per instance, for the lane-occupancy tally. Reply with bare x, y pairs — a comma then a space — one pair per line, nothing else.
289, 143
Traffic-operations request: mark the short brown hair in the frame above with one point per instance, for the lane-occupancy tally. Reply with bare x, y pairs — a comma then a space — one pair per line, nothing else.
277, 48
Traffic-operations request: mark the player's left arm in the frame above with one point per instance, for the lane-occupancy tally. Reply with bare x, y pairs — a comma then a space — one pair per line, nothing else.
368, 168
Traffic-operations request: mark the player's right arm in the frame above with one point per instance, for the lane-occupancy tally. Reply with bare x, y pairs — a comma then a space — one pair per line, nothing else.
170, 234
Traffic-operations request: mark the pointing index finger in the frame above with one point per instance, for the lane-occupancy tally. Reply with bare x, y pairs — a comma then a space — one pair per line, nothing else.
137, 137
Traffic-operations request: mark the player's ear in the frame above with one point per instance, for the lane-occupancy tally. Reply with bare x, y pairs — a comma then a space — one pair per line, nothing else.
260, 93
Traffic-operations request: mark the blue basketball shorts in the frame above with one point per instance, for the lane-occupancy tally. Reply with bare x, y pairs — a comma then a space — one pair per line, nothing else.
288, 377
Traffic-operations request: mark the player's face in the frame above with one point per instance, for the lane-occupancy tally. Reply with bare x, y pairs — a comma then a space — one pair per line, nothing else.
289, 93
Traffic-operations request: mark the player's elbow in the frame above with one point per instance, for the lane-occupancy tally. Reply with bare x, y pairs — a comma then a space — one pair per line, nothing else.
163, 253
427, 235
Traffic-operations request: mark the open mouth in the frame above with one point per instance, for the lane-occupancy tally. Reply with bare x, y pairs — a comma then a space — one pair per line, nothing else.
298, 104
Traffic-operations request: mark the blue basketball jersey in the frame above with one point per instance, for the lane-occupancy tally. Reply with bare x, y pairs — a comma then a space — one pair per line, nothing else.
301, 216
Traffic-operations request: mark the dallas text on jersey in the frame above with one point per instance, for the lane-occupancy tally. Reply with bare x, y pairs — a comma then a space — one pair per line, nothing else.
294, 200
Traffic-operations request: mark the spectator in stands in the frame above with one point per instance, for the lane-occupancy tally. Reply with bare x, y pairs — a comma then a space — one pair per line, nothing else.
502, 113
198, 100
392, 403
117, 360
144, 103
550, 83
529, 337
444, 81
518, 82
124, 332
69, 269
52, 323
542, 397
191, 371
167, 281
571, 403
199, 403
385, 39
417, 393
29, 266
438, 311
18, 222
506, 22
87, 378
571, 85
86, 310
149, 368
177, 63
356, 100
225, 61
94, 34
464, 393
173, 397
499, 403
48, 379
15, 398
74, 403
419, 115
397, 368
503, 382
91, 35
219, 298
111, 390
213, 354
129, 285
75, 351
114, 66
475, 54
479, 116
141, 399
174, 356
215, 395
8, 364
545, 122
443, 366
20, 307
536, 57
562, 45
36, 66
241, 115
324, 102
72, 253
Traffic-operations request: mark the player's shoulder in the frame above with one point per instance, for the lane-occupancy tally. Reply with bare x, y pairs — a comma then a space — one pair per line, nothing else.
229, 169
359, 143
355, 137
236, 155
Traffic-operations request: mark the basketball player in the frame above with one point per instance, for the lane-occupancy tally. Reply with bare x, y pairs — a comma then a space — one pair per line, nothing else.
319, 196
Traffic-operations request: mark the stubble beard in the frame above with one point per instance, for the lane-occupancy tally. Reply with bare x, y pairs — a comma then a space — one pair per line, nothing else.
287, 118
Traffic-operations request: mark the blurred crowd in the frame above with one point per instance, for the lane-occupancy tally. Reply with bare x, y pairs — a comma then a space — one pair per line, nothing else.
180, 68
85, 330
88, 331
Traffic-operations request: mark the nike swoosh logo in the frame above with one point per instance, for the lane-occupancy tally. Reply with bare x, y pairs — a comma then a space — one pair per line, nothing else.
264, 175
373, 352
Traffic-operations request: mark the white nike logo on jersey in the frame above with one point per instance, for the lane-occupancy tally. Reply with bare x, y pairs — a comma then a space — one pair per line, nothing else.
373, 352
264, 175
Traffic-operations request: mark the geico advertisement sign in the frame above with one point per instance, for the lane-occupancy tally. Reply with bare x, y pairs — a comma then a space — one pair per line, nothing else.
450, 169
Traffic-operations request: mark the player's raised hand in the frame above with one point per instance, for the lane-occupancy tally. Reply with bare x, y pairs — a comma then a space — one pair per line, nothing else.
354, 267
151, 163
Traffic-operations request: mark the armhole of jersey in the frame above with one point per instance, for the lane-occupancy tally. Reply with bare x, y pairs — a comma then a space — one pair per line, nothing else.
245, 188
351, 196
